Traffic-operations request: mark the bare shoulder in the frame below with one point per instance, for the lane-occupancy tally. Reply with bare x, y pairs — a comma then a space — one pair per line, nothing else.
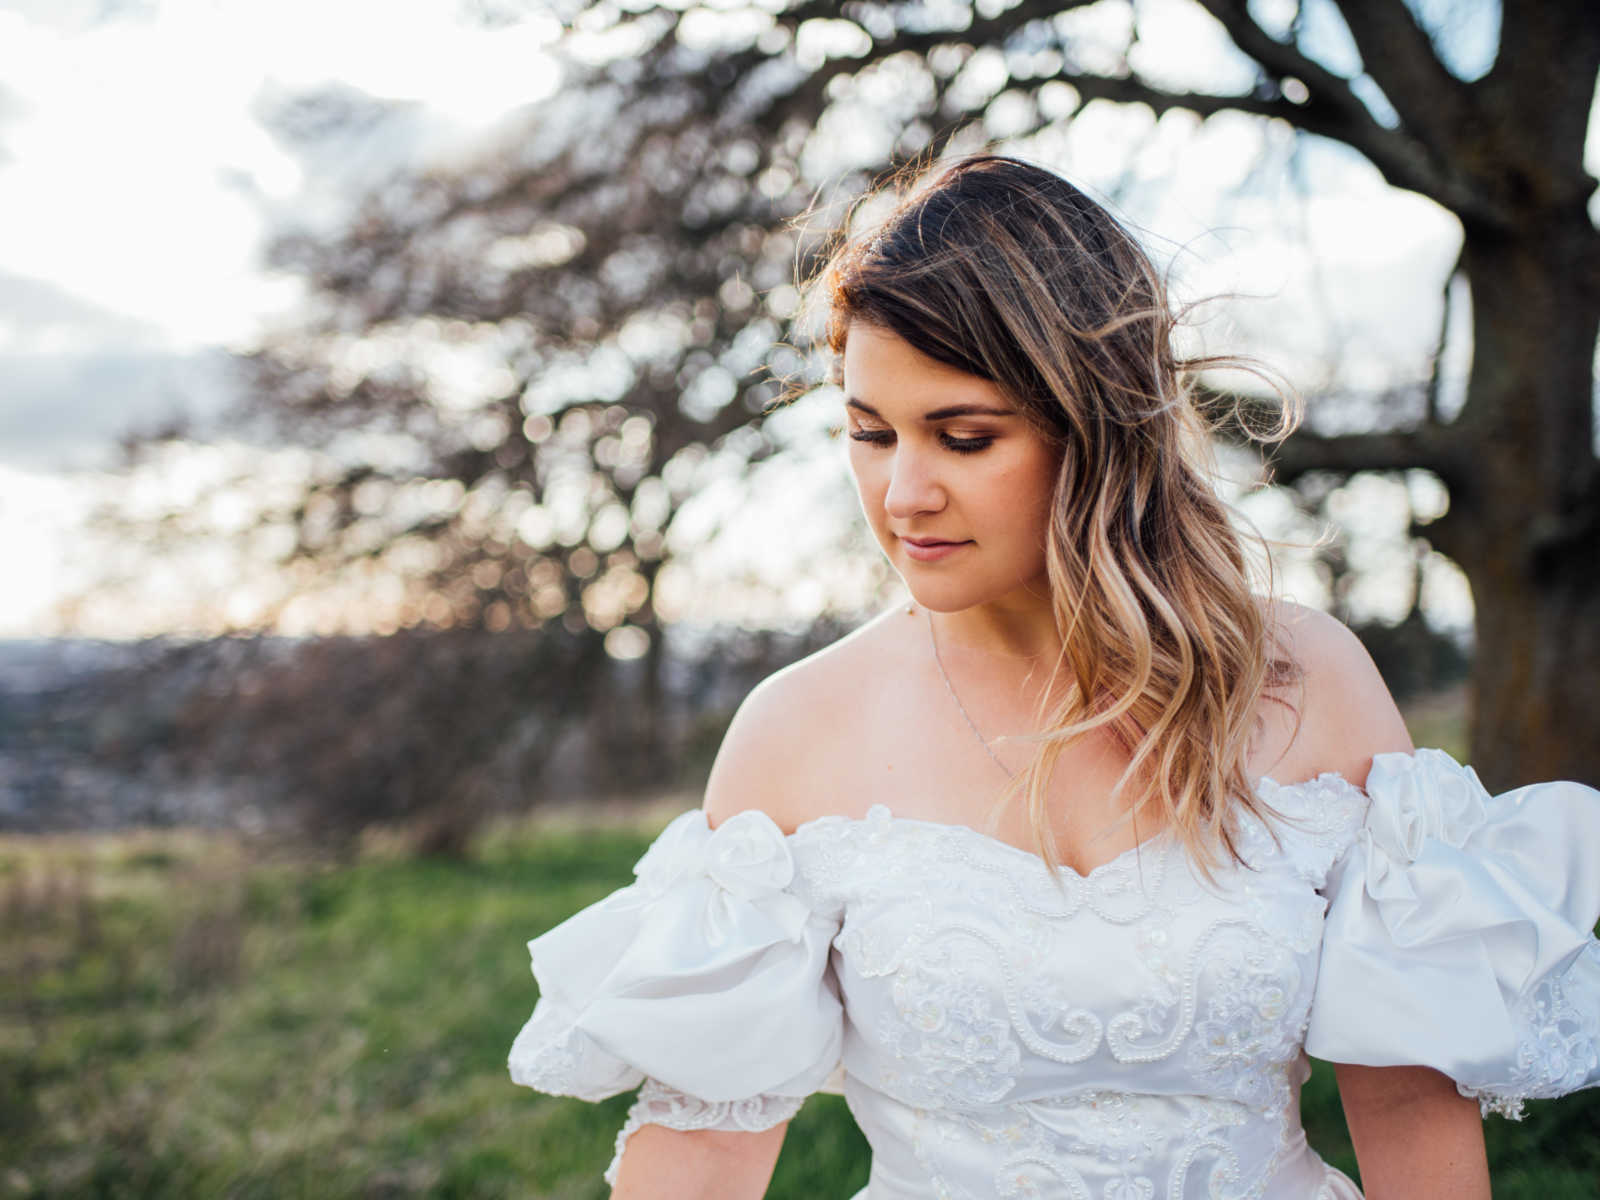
1346, 714
787, 733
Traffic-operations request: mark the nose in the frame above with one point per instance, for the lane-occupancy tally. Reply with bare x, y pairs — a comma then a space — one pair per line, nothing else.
913, 485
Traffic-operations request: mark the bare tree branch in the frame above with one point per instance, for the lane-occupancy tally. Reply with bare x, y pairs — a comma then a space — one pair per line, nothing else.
670, 182
1335, 111
1399, 450
1281, 59
1436, 369
1128, 90
1399, 55
1399, 160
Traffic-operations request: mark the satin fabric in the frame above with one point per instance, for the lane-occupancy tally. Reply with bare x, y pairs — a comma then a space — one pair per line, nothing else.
1451, 911
706, 975
1135, 1032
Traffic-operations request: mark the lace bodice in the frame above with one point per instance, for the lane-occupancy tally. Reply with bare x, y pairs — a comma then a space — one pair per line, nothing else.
999, 1030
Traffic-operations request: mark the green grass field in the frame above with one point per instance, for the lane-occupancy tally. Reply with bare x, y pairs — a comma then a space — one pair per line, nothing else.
179, 1019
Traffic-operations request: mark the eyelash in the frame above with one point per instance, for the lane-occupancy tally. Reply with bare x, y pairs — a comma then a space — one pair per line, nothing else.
960, 445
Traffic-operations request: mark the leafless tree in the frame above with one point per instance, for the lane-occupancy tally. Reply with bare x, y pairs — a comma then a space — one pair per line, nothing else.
625, 259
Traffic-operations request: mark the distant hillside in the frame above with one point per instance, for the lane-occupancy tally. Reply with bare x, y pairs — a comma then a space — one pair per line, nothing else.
325, 736
328, 734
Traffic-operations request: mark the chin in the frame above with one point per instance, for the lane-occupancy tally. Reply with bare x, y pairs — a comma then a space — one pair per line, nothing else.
954, 594
941, 596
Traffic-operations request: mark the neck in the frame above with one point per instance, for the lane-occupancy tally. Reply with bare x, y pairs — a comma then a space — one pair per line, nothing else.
1021, 625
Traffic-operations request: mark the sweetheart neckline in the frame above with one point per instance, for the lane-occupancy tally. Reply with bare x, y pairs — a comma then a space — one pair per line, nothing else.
955, 827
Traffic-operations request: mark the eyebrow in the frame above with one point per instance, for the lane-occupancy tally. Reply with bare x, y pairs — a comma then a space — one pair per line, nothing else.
939, 414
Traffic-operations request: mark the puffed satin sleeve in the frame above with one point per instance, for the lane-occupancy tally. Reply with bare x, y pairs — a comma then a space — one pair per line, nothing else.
707, 980
1459, 934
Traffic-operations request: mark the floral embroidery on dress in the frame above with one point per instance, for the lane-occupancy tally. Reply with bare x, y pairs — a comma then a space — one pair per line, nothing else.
1133, 1033
1560, 1044
1247, 1031
944, 1020
1224, 994
549, 1051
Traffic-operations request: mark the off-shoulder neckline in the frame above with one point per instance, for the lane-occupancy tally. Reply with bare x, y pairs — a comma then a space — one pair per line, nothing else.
882, 812
1159, 840
1321, 777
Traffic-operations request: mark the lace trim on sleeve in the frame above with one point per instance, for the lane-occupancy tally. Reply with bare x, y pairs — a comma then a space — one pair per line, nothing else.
551, 1055
660, 1105
1559, 1050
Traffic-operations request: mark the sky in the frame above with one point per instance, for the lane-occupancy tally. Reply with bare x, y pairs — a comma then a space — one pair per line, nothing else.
146, 151
145, 154
148, 148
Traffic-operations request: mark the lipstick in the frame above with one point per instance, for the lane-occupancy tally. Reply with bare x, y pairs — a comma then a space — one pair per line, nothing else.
931, 551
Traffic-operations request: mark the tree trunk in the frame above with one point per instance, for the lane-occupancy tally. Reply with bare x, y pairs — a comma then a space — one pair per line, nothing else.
1535, 685
1524, 522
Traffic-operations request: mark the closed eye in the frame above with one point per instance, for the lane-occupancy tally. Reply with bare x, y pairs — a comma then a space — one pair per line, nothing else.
961, 445
873, 437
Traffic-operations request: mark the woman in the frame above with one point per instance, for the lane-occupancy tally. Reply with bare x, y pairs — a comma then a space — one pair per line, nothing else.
1088, 961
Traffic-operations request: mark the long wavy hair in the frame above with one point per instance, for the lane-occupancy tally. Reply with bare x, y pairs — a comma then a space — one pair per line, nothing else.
1006, 271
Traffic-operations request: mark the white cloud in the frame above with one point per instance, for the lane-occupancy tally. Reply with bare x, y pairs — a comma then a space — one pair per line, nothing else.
137, 175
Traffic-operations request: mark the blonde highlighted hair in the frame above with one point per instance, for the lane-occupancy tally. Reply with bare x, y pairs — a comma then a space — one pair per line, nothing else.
1007, 272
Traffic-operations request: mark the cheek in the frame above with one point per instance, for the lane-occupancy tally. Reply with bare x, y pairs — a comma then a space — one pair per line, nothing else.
1033, 491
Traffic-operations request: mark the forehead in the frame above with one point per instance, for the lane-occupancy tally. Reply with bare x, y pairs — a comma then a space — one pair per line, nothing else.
882, 368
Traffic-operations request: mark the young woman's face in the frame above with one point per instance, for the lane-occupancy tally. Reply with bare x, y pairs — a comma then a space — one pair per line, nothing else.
944, 459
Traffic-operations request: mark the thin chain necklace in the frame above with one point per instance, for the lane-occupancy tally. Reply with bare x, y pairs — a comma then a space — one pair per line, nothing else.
950, 687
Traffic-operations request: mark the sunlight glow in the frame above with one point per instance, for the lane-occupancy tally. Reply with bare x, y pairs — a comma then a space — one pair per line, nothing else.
140, 177
138, 174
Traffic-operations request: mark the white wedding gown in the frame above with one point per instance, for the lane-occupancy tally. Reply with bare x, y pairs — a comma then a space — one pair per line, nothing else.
1125, 1035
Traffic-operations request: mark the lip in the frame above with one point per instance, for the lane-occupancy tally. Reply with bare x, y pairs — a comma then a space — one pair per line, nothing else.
930, 549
